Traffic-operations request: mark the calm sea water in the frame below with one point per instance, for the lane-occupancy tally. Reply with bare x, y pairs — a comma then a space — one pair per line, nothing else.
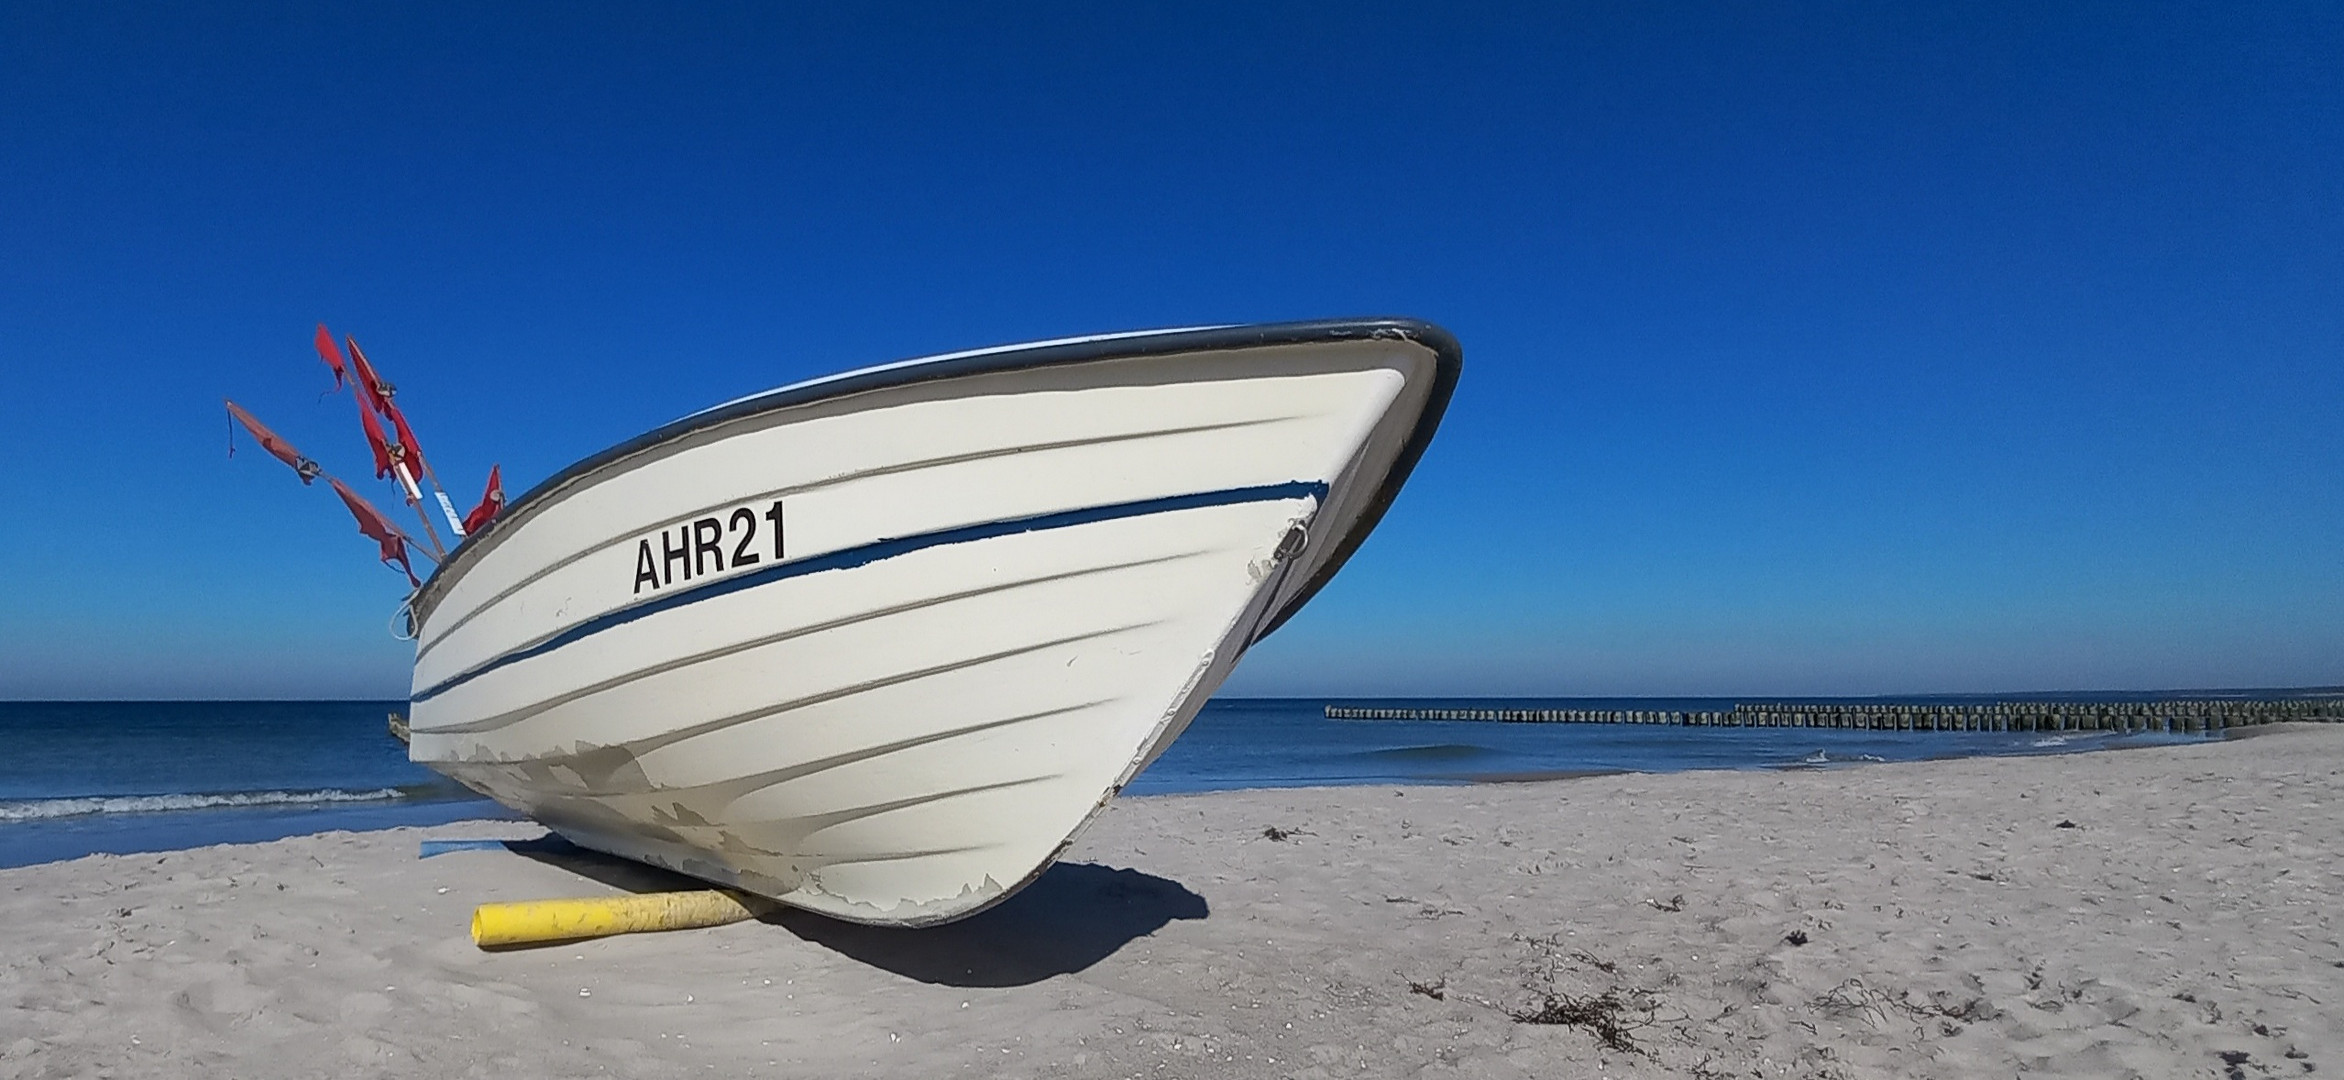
84, 777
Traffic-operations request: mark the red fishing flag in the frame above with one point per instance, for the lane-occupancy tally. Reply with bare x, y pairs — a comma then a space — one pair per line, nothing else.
411, 449
379, 393
371, 387
490, 503
331, 355
277, 447
385, 452
377, 528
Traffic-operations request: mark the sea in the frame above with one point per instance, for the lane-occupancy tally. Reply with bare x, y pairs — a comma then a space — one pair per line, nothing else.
78, 778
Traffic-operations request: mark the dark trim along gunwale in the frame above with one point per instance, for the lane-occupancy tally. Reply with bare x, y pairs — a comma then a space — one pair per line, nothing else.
1448, 362
865, 554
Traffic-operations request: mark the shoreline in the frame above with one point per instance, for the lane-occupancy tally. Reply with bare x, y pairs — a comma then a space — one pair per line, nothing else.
252, 817
2154, 913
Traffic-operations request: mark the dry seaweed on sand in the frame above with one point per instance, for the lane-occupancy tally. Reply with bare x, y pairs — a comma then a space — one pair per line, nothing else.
1852, 997
1598, 963
1611, 1015
1607, 1016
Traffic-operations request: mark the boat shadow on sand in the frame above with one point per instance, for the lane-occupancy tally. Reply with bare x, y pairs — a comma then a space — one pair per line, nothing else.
1073, 916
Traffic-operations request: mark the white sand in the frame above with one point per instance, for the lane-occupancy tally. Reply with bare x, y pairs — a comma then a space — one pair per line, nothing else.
2185, 926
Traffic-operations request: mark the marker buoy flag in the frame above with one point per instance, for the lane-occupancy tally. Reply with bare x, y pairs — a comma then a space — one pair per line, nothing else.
380, 394
332, 356
276, 445
377, 528
491, 501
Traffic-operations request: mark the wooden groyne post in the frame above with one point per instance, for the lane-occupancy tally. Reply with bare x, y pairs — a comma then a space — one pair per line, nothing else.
2193, 717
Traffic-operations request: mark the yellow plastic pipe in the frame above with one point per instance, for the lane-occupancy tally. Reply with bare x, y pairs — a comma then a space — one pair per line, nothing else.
538, 922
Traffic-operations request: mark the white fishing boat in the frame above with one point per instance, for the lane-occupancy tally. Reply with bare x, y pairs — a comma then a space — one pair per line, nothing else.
878, 645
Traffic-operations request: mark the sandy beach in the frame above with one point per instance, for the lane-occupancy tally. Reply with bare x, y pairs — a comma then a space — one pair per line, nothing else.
2156, 913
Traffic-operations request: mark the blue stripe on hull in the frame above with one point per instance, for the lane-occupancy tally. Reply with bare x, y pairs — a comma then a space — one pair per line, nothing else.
849, 558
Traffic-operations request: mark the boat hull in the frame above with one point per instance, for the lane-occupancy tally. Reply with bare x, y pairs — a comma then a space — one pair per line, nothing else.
879, 646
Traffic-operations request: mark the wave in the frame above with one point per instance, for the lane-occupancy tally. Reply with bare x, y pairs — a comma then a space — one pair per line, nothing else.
1435, 752
1819, 759
43, 809
2066, 738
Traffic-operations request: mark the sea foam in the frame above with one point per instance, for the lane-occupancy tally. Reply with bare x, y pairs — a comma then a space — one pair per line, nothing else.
40, 809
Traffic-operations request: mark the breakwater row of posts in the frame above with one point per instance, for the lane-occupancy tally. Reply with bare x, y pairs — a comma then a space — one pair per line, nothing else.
2169, 717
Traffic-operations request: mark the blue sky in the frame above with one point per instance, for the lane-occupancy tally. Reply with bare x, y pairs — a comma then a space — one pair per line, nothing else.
1823, 349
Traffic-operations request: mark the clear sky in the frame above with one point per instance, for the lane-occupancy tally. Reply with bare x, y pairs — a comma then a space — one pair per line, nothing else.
1810, 349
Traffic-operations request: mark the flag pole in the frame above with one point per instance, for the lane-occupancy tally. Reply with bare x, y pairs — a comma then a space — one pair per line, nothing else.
415, 499
446, 505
